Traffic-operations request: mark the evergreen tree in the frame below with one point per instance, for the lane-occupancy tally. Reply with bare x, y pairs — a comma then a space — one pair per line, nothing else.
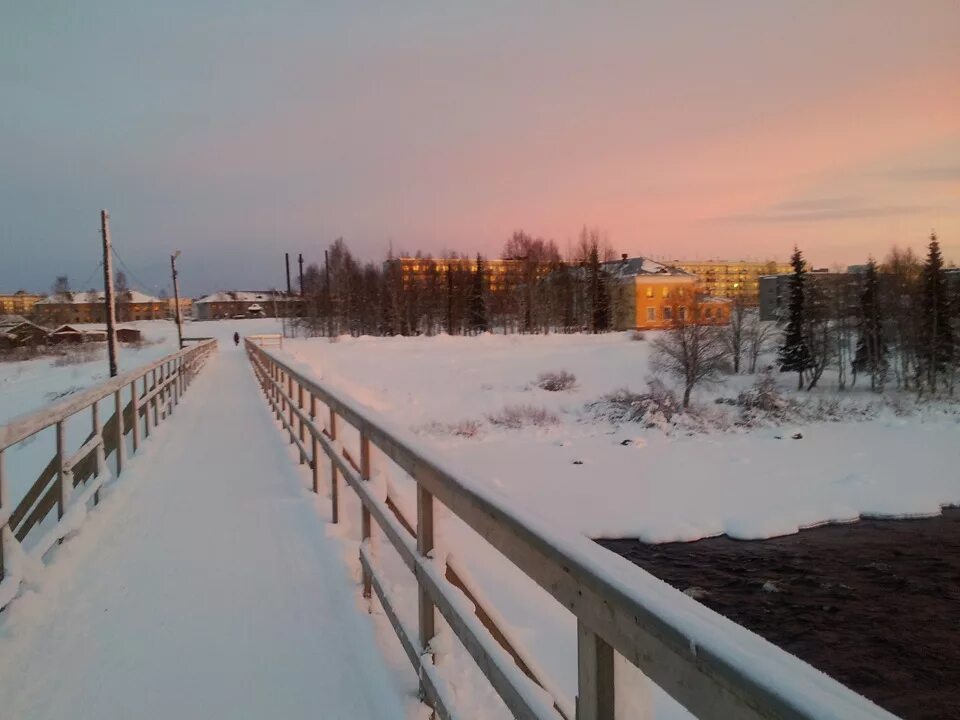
794, 355
477, 311
599, 295
935, 347
872, 351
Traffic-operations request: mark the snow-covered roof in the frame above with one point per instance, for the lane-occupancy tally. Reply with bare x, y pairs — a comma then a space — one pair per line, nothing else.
635, 266
246, 296
86, 298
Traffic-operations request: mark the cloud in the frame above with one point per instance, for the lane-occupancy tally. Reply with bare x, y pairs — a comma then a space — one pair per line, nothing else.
824, 210
944, 173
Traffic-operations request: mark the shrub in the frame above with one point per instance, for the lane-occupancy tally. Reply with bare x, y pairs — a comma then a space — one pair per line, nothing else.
637, 336
79, 354
463, 428
517, 416
557, 381
655, 405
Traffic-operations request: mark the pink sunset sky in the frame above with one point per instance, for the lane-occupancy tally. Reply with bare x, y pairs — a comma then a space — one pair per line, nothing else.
687, 129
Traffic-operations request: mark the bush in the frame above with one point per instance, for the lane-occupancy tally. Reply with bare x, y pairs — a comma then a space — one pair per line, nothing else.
517, 416
637, 336
656, 405
557, 381
762, 395
79, 354
463, 428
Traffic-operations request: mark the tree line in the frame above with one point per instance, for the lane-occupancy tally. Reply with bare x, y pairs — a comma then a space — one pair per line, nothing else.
541, 291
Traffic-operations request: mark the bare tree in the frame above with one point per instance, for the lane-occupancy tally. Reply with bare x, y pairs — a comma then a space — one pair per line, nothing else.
759, 337
734, 333
692, 352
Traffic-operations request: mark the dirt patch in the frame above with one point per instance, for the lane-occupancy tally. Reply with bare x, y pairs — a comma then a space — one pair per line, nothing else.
874, 604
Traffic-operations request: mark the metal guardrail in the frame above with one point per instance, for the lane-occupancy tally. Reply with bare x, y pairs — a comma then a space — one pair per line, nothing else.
715, 669
162, 383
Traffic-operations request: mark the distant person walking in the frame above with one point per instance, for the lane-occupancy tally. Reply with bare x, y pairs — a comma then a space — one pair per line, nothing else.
236, 338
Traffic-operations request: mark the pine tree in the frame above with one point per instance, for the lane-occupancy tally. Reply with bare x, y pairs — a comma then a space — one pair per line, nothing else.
872, 351
935, 347
599, 295
478, 307
794, 355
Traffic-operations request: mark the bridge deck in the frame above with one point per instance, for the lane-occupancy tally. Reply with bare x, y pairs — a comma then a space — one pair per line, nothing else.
205, 586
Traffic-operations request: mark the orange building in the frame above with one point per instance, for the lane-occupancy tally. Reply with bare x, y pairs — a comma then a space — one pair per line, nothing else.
89, 307
730, 279
647, 295
19, 303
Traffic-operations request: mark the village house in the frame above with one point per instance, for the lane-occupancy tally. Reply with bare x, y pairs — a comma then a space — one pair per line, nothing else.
248, 304
17, 331
92, 333
647, 295
89, 307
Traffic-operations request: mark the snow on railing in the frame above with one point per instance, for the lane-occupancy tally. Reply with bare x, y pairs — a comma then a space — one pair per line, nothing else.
72, 480
713, 667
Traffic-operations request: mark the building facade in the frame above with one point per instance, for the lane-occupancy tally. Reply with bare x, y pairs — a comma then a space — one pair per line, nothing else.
499, 274
90, 307
19, 303
248, 304
729, 279
647, 295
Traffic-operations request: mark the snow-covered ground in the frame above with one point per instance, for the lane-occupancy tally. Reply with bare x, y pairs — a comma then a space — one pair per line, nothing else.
29, 385
588, 476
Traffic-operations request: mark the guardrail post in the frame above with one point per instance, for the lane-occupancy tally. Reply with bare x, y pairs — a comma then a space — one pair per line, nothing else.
146, 410
425, 607
176, 382
334, 491
153, 400
4, 500
62, 479
290, 406
135, 406
364, 510
595, 694
121, 447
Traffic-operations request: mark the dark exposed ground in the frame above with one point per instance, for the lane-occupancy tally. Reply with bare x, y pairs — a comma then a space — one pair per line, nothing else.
874, 604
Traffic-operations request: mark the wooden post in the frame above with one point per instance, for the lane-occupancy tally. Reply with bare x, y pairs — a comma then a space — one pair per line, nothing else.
4, 500
153, 400
303, 458
364, 511
424, 547
334, 491
146, 410
595, 696
62, 478
290, 406
98, 434
120, 428
176, 298
135, 416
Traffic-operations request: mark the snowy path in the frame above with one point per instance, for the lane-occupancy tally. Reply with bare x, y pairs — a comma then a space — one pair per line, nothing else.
204, 586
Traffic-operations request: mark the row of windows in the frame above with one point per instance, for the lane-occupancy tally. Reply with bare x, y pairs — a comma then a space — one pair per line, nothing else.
665, 291
706, 313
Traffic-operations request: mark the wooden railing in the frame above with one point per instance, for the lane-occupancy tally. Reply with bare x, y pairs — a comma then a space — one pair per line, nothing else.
715, 669
74, 478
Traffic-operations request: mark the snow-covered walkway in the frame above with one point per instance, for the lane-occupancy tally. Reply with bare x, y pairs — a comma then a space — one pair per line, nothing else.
204, 586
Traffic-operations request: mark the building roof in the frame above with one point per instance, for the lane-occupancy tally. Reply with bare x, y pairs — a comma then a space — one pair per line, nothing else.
639, 266
89, 298
246, 296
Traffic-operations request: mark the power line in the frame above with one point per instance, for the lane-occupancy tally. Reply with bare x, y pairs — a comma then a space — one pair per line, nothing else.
86, 282
143, 286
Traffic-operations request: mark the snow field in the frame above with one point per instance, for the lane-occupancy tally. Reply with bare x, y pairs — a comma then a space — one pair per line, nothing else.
602, 480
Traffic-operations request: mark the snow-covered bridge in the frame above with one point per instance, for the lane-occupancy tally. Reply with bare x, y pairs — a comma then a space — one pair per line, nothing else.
206, 584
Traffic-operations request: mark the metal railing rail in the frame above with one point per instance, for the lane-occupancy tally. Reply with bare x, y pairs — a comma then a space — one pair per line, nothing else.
161, 385
713, 668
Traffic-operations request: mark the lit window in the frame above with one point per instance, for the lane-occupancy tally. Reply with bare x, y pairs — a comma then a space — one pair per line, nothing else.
649, 292
666, 292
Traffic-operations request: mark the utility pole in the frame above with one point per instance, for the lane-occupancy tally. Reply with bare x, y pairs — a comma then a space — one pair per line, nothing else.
176, 297
289, 289
110, 307
300, 260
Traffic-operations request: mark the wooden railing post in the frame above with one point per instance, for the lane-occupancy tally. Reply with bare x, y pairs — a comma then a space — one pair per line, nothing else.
364, 510
595, 695
4, 501
64, 496
425, 608
101, 462
334, 490
153, 400
303, 458
135, 416
314, 445
120, 429
146, 410
290, 406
